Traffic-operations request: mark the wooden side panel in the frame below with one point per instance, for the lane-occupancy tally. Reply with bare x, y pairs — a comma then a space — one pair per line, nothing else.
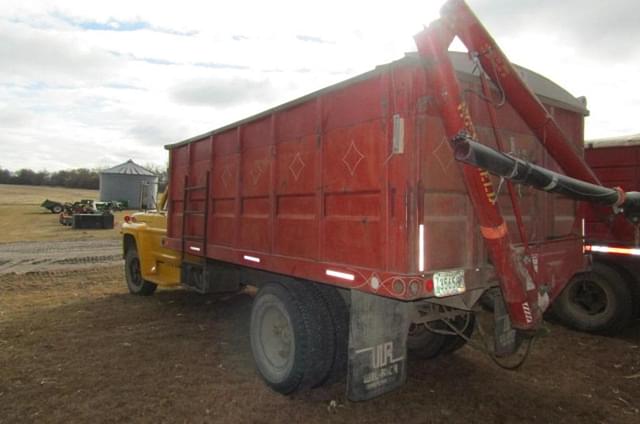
296, 224
308, 182
450, 236
178, 158
257, 147
199, 166
354, 186
224, 188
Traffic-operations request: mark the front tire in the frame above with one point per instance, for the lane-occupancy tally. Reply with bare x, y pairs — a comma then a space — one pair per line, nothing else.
132, 271
598, 301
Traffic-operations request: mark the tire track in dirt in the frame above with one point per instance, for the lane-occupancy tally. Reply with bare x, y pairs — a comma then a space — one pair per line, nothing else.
24, 257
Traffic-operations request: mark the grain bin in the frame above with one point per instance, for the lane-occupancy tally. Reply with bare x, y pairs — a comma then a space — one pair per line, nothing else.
131, 183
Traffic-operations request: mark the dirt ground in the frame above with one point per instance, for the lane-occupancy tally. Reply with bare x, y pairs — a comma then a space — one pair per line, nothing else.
54, 255
76, 347
22, 218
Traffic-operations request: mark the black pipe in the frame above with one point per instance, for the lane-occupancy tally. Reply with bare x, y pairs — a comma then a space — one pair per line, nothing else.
520, 171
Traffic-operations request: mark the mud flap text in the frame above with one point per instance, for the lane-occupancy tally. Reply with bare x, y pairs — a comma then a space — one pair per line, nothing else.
377, 345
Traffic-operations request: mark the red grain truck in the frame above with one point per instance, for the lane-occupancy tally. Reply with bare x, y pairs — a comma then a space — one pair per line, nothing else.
607, 298
367, 216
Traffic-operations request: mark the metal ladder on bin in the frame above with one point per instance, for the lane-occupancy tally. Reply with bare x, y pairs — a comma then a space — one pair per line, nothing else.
204, 213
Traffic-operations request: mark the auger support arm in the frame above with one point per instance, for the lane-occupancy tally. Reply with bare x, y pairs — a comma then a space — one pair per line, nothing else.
461, 21
518, 289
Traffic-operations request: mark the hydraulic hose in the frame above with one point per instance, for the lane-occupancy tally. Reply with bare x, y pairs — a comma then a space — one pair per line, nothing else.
523, 172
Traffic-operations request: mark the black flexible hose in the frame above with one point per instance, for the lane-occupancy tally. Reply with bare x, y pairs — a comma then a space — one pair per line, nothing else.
520, 171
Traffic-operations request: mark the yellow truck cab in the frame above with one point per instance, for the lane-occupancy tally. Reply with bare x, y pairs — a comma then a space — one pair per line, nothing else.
148, 263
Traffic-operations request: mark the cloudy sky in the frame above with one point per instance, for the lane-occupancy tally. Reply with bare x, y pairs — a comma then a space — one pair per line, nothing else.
87, 83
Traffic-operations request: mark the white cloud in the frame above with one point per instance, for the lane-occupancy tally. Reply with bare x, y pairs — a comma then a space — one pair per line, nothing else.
94, 83
222, 92
30, 55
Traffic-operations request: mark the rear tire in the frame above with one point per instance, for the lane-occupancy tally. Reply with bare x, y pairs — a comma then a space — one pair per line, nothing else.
321, 325
453, 343
339, 313
634, 287
291, 336
56, 209
423, 343
598, 301
132, 271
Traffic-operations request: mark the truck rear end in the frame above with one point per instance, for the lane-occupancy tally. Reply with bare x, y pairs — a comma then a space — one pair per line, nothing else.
355, 189
365, 237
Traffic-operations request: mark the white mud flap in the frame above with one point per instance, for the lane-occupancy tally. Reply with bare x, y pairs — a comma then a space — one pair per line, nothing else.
377, 345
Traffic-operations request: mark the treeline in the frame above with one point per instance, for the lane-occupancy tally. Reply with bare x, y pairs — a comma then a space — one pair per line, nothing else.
73, 178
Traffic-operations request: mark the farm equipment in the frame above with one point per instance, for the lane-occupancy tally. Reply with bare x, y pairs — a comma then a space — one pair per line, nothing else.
347, 210
112, 205
606, 298
87, 214
104, 220
84, 206
53, 206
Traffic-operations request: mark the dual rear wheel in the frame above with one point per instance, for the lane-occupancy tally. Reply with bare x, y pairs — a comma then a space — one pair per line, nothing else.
299, 335
300, 332
427, 342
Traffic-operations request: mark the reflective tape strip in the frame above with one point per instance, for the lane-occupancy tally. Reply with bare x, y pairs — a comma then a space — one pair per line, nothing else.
421, 248
340, 274
614, 250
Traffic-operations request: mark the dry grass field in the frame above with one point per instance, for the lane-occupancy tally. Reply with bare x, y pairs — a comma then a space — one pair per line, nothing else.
22, 218
76, 347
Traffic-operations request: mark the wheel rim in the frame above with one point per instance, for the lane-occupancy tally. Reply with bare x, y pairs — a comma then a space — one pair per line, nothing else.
589, 297
275, 338
134, 272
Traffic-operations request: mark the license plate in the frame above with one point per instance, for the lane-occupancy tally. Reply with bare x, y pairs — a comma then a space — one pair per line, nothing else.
447, 283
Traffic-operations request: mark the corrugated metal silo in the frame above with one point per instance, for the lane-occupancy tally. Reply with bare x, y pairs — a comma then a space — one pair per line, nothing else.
129, 182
